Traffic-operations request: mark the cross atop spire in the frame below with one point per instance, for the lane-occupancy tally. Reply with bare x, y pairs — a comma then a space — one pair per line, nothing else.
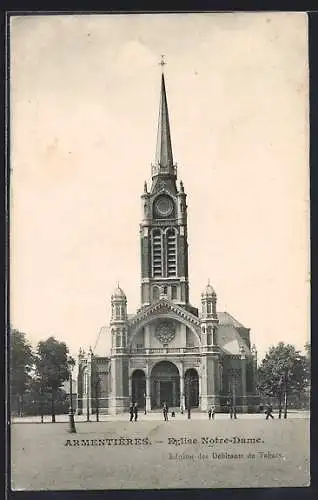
162, 62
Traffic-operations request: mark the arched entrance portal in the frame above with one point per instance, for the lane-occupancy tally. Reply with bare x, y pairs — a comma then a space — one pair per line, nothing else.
138, 388
165, 385
191, 385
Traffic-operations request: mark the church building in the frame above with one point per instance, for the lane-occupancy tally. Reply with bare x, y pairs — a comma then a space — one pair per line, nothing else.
168, 351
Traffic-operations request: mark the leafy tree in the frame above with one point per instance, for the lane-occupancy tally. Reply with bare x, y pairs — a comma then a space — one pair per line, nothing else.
282, 372
21, 364
51, 368
38, 400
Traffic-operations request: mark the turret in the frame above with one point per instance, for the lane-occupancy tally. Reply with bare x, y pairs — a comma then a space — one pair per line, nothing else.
208, 302
182, 205
209, 319
118, 323
119, 305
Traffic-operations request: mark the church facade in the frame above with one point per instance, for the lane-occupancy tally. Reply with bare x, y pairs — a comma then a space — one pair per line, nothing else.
168, 351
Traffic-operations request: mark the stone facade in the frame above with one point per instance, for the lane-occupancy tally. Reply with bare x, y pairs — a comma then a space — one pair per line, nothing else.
169, 351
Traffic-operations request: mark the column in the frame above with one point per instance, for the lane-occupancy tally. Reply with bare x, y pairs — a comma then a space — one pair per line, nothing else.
200, 390
130, 388
173, 393
148, 401
243, 375
147, 338
182, 399
203, 383
157, 383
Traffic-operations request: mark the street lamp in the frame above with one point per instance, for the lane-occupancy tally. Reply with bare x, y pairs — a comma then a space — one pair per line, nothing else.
235, 373
87, 399
97, 387
71, 364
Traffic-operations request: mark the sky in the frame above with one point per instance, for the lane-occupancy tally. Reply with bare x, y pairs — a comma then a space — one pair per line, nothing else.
84, 110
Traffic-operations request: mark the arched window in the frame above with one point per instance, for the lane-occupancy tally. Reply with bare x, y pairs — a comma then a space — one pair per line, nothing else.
156, 253
118, 339
171, 239
155, 292
113, 338
210, 335
124, 338
174, 292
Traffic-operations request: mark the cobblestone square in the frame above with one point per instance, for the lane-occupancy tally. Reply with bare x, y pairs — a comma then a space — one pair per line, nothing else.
151, 453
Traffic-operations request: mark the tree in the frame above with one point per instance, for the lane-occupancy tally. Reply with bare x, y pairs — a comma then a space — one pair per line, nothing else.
282, 372
52, 370
21, 364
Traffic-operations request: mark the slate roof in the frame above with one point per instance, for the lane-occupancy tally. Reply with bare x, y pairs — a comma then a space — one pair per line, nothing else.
226, 318
103, 342
228, 336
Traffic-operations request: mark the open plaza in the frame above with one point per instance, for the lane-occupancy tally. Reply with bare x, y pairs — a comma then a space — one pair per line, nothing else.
151, 453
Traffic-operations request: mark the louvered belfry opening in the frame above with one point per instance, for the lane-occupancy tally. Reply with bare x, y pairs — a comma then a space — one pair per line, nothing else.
171, 253
157, 253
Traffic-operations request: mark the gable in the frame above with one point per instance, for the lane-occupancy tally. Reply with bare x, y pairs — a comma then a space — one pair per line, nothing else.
163, 306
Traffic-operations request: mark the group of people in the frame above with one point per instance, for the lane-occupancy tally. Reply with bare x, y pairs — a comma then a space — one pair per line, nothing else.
133, 411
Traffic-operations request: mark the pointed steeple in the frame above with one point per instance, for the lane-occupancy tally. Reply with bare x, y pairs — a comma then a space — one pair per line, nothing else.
164, 157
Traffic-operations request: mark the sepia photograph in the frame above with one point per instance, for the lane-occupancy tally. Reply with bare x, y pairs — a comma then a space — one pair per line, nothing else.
159, 246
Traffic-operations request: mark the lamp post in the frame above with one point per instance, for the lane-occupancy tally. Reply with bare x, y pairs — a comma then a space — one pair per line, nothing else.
87, 399
235, 373
234, 396
280, 393
71, 364
41, 405
97, 386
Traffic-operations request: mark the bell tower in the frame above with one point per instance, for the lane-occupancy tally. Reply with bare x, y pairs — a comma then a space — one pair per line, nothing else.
163, 230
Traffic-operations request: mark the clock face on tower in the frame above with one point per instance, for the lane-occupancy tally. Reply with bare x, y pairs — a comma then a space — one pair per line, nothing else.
163, 206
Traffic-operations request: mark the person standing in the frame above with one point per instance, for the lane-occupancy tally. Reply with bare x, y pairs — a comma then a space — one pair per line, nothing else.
232, 409
213, 411
165, 411
269, 412
136, 411
131, 412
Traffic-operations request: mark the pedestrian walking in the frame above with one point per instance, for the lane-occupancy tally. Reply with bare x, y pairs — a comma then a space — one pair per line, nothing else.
268, 412
210, 412
232, 410
131, 412
165, 410
136, 411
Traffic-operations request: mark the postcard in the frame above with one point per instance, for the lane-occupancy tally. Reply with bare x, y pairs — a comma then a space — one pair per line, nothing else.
159, 251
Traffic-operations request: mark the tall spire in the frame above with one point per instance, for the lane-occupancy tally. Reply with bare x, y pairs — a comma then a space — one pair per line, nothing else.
164, 150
